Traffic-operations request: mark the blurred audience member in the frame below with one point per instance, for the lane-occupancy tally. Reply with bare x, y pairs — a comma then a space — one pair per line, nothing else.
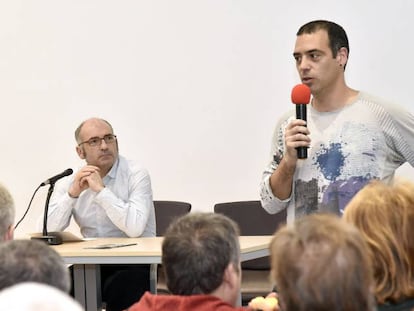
32, 261
7, 213
321, 263
385, 216
201, 260
36, 297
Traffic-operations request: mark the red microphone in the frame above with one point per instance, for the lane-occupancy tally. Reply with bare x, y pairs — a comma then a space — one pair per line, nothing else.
300, 97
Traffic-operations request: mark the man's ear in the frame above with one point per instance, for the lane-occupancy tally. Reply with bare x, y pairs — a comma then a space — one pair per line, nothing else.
9, 233
231, 276
80, 152
342, 56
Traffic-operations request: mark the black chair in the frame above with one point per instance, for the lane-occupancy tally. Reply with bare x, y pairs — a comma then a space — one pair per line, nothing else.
253, 220
165, 213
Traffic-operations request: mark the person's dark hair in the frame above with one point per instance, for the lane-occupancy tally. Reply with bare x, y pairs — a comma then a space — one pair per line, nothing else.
196, 250
32, 261
321, 263
336, 34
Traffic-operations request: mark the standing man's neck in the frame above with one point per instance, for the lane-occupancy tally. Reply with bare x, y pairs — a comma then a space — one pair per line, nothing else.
334, 98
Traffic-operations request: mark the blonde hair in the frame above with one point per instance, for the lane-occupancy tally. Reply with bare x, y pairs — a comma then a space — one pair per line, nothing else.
385, 216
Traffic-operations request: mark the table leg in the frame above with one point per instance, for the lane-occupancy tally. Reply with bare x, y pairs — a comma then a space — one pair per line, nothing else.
93, 287
153, 278
79, 284
239, 299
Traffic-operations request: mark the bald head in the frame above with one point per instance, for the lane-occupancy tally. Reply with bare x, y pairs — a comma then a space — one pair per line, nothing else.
91, 121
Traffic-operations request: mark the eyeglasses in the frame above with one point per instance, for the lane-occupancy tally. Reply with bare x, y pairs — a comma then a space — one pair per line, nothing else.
96, 141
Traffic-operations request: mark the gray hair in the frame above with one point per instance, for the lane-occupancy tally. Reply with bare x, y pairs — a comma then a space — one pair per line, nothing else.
32, 261
7, 211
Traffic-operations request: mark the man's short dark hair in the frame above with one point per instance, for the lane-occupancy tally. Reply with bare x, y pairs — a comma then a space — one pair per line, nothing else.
196, 250
336, 34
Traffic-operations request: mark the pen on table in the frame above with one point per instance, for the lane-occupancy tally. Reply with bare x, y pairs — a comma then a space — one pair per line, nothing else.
126, 244
114, 245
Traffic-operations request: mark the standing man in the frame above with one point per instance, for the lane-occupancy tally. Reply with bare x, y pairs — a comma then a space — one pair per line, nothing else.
352, 137
7, 214
108, 197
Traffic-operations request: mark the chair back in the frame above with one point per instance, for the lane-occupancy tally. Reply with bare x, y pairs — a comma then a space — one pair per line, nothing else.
167, 211
252, 220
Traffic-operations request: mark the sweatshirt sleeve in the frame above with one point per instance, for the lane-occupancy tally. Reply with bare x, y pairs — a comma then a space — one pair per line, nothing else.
271, 203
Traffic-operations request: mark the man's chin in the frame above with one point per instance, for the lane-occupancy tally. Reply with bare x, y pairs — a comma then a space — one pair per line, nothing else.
107, 159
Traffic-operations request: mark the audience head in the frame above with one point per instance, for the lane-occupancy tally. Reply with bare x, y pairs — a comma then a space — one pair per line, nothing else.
32, 261
385, 216
7, 213
321, 263
201, 255
36, 297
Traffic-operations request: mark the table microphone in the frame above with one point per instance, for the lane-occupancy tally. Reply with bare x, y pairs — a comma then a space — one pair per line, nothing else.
53, 239
55, 178
301, 97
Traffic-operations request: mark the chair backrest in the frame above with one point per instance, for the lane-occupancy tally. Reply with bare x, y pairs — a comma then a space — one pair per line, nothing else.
252, 220
167, 211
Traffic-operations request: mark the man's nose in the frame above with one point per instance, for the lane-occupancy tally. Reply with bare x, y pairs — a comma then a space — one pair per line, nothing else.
303, 64
103, 144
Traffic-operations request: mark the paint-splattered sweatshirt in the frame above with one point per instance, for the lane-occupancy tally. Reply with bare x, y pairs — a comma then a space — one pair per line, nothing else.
367, 139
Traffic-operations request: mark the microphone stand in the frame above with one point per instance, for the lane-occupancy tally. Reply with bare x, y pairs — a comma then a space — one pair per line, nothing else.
46, 237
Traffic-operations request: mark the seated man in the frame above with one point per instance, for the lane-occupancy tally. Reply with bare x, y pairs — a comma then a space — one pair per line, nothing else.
201, 260
110, 196
321, 263
32, 261
7, 212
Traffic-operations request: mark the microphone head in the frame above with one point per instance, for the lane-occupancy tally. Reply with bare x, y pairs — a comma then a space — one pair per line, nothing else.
68, 172
301, 94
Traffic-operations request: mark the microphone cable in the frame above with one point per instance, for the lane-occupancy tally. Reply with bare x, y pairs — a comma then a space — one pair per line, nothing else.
28, 207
